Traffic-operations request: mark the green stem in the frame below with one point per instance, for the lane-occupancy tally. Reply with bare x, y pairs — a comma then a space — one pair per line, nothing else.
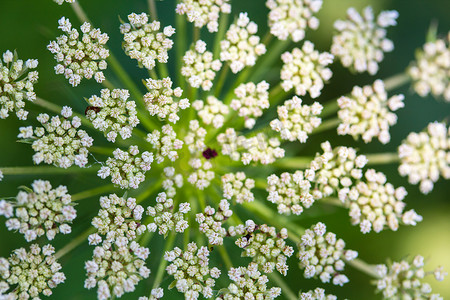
329, 108
293, 163
326, 125
221, 80
101, 150
152, 10
219, 36
382, 158
180, 48
81, 15
163, 263
285, 288
93, 192
364, 267
46, 170
396, 81
74, 243
150, 190
225, 257
269, 58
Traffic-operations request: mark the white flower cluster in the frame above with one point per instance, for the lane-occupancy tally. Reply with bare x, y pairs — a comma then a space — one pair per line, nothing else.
265, 246
305, 70
317, 294
1, 175
16, 84
431, 70
336, 170
361, 40
116, 268
118, 218
201, 174
163, 217
191, 271
118, 264
236, 186
369, 112
26, 274
295, 121
204, 12
199, 66
112, 114
249, 283
258, 148
160, 100
59, 141
322, 255
127, 168
425, 156
40, 211
80, 58
290, 18
60, 2
377, 204
241, 47
210, 222
155, 294
401, 280
165, 142
251, 100
145, 42
213, 112
172, 181
291, 192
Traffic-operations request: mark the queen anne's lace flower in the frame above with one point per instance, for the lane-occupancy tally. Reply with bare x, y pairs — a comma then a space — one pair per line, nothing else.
59, 141
116, 268
213, 112
305, 70
252, 100
377, 204
290, 18
164, 219
165, 142
127, 168
191, 271
425, 156
405, 279
118, 218
16, 84
322, 255
199, 67
238, 187
291, 192
249, 283
160, 99
172, 181
241, 47
112, 114
40, 211
266, 247
317, 294
431, 70
361, 40
26, 274
145, 42
369, 112
155, 294
210, 222
204, 12
335, 171
78, 59
295, 121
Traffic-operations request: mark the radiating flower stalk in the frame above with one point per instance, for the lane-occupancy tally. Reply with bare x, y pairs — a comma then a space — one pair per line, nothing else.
200, 158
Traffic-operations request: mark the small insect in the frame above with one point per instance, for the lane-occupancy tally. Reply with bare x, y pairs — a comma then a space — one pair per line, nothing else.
94, 108
209, 153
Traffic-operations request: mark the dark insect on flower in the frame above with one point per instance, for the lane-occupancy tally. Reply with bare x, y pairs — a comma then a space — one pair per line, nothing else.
94, 108
209, 153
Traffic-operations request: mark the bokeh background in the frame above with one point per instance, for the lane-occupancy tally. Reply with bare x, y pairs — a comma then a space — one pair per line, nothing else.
28, 25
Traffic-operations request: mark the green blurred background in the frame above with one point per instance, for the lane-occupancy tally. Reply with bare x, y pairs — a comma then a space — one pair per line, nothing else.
28, 26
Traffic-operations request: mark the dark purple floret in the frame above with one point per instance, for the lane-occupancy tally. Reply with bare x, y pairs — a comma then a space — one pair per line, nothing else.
209, 153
